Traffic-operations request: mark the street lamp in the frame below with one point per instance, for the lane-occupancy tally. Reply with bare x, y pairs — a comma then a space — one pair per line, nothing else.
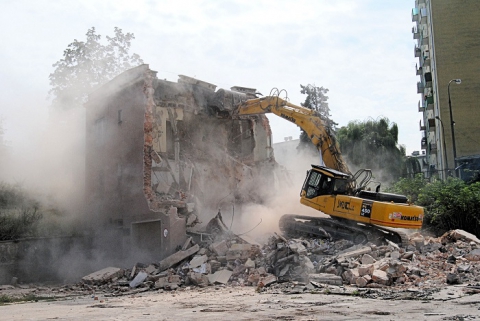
444, 148
452, 123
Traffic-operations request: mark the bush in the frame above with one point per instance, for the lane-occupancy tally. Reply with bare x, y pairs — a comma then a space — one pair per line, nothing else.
19, 213
450, 204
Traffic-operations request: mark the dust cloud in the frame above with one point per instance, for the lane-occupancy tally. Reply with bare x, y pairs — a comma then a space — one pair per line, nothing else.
259, 220
51, 168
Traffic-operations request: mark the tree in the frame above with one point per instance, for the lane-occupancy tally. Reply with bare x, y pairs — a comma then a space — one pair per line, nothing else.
373, 144
88, 64
317, 100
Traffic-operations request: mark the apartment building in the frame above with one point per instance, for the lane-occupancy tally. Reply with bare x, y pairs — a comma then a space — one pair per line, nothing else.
447, 36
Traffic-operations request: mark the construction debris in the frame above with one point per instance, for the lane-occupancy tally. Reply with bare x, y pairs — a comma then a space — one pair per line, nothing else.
296, 265
103, 276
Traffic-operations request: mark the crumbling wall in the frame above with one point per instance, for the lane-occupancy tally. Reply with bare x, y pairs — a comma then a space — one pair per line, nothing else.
202, 159
160, 154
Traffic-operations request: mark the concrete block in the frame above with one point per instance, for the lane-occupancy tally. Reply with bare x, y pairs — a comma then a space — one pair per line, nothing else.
141, 276
325, 278
380, 277
174, 278
367, 259
298, 248
219, 248
241, 251
221, 276
267, 280
102, 276
197, 261
261, 270
456, 235
365, 269
177, 257
350, 276
395, 255
361, 282
198, 279
161, 282
396, 270
250, 264
355, 253
151, 269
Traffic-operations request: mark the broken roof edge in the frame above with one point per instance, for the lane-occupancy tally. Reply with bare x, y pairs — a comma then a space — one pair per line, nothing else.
123, 80
195, 81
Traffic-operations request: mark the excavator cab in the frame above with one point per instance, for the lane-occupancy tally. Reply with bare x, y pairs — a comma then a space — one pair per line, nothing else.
321, 180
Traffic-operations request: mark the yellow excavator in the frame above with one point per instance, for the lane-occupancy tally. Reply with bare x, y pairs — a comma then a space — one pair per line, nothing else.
357, 213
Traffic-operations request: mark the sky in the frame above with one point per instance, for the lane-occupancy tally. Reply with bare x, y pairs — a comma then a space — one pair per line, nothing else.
361, 50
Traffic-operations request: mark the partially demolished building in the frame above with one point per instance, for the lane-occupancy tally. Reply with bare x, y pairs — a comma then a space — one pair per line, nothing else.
161, 154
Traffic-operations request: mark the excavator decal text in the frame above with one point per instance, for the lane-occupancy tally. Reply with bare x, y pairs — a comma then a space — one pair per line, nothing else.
289, 118
345, 205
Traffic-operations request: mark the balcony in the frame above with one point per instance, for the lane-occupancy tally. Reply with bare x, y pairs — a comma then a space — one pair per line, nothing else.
429, 99
431, 124
416, 34
423, 15
417, 51
432, 147
423, 143
421, 109
426, 58
422, 127
424, 37
418, 69
420, 87
415, 14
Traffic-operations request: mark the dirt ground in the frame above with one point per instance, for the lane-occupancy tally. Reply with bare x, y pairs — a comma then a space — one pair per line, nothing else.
244, 303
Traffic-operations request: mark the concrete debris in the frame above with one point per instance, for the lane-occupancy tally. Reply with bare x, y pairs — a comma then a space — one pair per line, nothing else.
456, 235
326, 278
220, 248
221, 276
103, 276
197, 261
141, 276
297, 265
177, 257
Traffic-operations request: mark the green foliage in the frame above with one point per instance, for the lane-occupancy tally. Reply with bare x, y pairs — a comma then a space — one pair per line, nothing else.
450, 204
317, 100
87, 64
19, 214
373, 144
410, 187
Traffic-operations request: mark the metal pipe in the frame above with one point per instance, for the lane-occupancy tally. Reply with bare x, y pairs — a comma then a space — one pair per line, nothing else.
445, 165
452, 123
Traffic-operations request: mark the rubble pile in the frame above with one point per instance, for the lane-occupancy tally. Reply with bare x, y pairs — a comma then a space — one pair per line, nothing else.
426, 263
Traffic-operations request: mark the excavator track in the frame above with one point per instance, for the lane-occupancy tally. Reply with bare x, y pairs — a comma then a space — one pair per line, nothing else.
334, 228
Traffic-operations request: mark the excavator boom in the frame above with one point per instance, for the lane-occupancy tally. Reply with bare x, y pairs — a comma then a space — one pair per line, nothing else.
307, 119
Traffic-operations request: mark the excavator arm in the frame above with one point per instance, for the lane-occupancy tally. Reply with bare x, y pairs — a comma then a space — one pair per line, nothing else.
307, 119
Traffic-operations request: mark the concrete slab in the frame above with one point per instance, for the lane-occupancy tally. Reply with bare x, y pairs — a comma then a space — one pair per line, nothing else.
103, 275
